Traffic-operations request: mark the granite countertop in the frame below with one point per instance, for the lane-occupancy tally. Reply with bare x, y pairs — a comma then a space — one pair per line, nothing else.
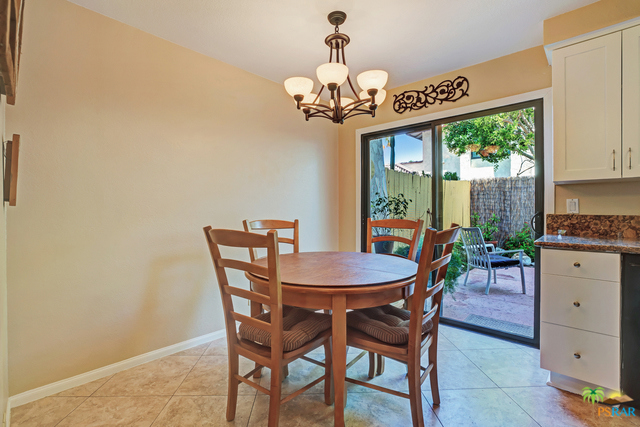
593, 244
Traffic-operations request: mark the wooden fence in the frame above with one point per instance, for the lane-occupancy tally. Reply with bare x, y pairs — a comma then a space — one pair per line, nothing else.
511, 199
456, 204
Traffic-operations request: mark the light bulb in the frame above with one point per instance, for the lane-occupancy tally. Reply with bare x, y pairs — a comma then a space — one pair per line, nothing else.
309, 99
374, 79
380, 96
298, 86
332, 73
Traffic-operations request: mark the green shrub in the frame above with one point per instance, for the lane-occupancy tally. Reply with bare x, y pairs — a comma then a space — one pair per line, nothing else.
451, 176
489, 228
457, 267
402, 250
523, 239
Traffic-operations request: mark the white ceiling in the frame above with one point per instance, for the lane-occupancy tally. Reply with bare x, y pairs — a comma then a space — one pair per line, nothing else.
276, 39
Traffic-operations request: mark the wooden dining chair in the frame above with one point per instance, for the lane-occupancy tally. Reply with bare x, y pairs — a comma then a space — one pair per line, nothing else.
395, 224
376, 362
272, 339
405, 335
273, 224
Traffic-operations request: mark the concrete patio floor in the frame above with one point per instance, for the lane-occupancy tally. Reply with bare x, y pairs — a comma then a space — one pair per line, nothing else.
505, 303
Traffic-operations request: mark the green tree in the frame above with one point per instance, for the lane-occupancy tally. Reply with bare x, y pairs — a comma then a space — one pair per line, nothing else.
509, 132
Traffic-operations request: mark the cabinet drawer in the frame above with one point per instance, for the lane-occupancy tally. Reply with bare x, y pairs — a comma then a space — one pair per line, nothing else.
588, 265
599, 355
598, 303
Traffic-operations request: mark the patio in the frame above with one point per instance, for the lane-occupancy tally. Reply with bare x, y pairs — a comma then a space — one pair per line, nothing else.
506, 308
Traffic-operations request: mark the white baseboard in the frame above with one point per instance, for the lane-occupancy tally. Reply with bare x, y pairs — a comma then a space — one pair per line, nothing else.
573, 385
62, 385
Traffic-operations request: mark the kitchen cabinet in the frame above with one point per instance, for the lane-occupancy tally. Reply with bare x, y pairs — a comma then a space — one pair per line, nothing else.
596, 108
631, 102
580, 315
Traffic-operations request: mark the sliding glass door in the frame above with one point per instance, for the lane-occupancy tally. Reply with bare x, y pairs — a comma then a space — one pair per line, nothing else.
484, 172
399, 180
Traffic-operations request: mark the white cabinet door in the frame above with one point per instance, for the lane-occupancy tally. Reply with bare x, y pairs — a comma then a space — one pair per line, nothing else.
591, 305
587, 109
631, 102
586, 356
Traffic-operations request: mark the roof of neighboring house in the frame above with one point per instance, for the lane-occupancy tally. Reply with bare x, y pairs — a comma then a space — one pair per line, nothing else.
409, 167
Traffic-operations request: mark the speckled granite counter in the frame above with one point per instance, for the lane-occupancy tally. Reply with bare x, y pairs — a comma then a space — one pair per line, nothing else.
592, 244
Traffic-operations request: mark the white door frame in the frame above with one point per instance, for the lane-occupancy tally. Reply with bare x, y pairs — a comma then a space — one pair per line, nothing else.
545, 94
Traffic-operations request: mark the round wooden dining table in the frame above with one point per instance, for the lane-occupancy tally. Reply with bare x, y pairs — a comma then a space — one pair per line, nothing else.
340, 281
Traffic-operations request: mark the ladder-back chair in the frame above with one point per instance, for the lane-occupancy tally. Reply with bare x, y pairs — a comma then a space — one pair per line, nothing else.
376, 363
273, 224
478, 257
263, 338
415, 332
395, 224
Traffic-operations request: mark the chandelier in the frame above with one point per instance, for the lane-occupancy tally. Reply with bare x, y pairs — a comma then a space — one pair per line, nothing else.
333, 75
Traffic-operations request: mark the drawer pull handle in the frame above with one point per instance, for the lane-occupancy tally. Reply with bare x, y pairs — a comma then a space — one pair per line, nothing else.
576, 304
577, 355
576, 264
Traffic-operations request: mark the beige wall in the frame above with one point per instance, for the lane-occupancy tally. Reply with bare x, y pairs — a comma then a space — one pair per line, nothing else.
130, 145
602, 198
606, 198
594, 16
509, 75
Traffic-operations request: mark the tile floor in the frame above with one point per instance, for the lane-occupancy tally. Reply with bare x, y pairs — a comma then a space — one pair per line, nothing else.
483, 382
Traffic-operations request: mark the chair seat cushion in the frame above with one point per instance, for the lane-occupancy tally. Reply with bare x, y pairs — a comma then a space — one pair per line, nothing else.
502, 261
299, 326
387, 323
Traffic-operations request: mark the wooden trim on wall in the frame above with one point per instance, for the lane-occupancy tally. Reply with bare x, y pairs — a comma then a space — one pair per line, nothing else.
11, 170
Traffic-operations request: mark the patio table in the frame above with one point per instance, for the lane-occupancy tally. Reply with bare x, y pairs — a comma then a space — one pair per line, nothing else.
340, 281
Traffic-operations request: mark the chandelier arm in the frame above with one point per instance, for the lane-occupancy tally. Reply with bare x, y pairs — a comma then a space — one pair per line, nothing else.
360, 113
318, 113
318, 95
337, 104
358, 103
344, 61
352, 89
325, 108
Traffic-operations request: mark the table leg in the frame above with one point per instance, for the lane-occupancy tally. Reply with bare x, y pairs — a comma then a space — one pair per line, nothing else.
339, 362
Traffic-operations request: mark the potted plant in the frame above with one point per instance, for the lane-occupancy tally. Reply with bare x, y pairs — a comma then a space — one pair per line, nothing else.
387, 207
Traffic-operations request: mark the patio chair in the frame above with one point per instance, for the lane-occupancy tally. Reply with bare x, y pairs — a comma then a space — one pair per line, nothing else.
479, 257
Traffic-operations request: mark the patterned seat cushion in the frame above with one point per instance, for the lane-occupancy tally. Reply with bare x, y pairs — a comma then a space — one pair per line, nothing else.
299, 326
387, 323
503, 261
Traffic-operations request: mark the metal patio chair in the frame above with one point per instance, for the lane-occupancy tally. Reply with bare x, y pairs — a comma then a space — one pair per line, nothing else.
479, 257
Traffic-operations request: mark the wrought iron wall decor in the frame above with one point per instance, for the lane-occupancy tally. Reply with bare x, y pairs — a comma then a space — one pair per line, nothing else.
448, 90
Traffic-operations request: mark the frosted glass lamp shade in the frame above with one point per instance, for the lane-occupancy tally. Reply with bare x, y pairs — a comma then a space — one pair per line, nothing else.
374, 79
343, 101
298, 86
332, 72
380, 96
309, 99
